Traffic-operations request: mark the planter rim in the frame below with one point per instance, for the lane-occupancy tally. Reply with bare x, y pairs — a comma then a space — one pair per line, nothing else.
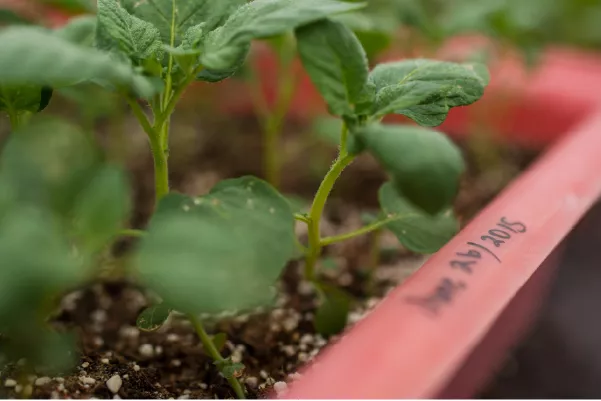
413, 342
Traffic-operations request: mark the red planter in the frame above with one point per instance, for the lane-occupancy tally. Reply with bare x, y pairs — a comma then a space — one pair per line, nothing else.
443, 332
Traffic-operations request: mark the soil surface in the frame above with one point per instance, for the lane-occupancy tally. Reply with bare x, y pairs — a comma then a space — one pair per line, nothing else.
273, 344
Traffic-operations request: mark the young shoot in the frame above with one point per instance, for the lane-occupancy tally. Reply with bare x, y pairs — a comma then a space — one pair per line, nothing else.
228, 247
424, 165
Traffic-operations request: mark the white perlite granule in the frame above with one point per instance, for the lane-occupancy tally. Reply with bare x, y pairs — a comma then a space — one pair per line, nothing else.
280, 387
10, 383
42, 381
114, 384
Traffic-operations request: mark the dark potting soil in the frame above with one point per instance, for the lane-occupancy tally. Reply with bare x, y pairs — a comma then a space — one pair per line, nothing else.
273, 344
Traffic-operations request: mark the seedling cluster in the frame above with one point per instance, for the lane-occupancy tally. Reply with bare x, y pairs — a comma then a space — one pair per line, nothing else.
223, 251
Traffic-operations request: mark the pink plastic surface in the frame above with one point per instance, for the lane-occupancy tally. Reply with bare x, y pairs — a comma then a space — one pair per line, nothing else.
415, 341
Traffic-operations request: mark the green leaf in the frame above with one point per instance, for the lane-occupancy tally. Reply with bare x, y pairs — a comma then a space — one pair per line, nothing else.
101, 208
10, 17
332, 314
173, 18
153, 317
51, 353
92, 101
186, 59
32, 56
328, 129
374, 30
120, 31
73, 6
20, 98
416, 230
45, 96
425, 90
369, 217
424, 164
47, 163
219, 252
212, 75
229, 369
79, 30
224, 46
29, 280
337, 64
219, 340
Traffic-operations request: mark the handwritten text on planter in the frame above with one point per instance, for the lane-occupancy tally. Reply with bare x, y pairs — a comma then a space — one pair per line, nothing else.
467, 261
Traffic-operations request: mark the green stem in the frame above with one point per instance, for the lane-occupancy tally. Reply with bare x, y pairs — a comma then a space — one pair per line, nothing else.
161, 169
301, 217
168, 78
374, 261
319, 202
130, 232
159, 156
272, 121
163, 118
18, 119
213, 352
272, 133
363, 230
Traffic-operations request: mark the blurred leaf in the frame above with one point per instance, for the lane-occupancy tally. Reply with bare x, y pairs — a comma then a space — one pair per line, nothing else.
328, 129
219, 340
332, 314
369, 218
29, 278
224, 47
212, 75
120, 31
45, 96
35, 164
72, 5
425, 165
32, 98
29, 281
79, 30
223, 250
425, 90
328, 263
374, 30
92, 101
32, 56
337, 64
153, 317
418, 14
101, 208
416, 230
10, 17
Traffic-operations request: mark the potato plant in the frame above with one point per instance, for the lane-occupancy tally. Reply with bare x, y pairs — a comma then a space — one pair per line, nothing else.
224, 251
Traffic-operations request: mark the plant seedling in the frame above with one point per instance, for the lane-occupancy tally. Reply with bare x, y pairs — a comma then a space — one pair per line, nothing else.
201, 255
424, 166
223, 251
58, 196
